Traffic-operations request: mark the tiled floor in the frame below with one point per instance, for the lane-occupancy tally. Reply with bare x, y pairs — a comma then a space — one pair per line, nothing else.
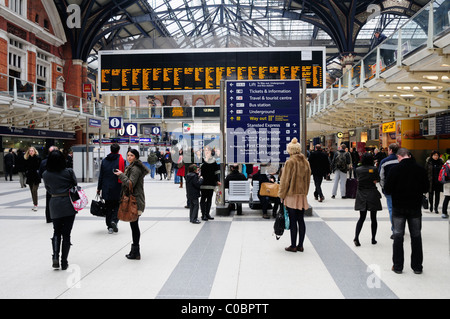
229, 257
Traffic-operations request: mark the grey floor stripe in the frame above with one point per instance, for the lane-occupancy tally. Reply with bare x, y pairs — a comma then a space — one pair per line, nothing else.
194, 275
350, 273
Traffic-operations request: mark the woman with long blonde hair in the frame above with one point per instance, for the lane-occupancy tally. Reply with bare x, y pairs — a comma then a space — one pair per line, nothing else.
32, 163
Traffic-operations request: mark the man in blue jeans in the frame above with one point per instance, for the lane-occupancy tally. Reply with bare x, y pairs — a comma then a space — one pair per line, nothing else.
407, 182
383, 169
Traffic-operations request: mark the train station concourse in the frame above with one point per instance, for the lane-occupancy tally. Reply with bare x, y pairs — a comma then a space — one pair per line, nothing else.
229, 83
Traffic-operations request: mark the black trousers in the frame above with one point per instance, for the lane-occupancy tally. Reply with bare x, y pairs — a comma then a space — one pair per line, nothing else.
112, 206
62, 227
318, 184
193, 208
206, 201
415, 228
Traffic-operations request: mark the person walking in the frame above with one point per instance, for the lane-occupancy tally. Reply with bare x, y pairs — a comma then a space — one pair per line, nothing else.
210, 171
407, 182
293, 191
21, 168
320, 168
109, 186
181, 172
32, 164
9, 162
58, 180
433, 165
168, 163
340, 165
152, 158
42, 169
385, 165
446, 192
193, 184
367, 196
134, 173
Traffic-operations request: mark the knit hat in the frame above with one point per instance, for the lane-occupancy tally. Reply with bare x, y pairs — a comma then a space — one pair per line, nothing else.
294, 147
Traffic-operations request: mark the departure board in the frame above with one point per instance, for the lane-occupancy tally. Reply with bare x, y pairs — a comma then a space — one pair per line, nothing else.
202, 69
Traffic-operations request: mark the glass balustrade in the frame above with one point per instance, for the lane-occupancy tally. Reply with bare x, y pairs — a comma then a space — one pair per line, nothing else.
410, 37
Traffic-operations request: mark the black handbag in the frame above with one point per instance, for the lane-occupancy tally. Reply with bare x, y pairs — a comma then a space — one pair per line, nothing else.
98, 207
424, 202
279, 225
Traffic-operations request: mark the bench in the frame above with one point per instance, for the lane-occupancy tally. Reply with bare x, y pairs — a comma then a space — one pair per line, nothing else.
242, 192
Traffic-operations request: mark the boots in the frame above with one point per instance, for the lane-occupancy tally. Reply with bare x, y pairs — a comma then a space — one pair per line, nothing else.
134, 253
64, 254
56, 246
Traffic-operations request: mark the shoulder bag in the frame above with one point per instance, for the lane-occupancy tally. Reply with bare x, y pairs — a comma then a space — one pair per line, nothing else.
128, 211
269, 189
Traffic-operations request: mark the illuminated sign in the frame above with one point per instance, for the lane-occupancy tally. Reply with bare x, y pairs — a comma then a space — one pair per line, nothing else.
203, 69
389, 127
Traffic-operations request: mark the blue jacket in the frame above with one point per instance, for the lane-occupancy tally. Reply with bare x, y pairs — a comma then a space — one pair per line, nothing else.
108, 183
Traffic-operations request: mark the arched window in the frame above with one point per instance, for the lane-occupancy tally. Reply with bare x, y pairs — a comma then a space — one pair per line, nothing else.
175, 102
200, 102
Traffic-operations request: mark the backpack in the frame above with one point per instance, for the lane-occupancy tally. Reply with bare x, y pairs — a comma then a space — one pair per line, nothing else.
341, 162
444, 174
152, 158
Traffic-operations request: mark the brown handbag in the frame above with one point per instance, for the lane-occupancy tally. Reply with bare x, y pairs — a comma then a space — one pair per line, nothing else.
269, 189
128, 211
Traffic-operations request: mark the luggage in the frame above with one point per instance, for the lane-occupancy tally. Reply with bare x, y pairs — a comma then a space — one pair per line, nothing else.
350, 188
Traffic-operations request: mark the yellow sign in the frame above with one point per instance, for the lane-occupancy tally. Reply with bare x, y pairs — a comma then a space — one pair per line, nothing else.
389, 127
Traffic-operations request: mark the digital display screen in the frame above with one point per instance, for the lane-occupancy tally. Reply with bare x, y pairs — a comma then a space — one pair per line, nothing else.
177, 70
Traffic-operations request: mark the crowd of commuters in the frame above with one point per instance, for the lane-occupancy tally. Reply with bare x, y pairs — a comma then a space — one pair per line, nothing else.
403, 182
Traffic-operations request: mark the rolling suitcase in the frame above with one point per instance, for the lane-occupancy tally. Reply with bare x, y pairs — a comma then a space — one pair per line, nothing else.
350, 188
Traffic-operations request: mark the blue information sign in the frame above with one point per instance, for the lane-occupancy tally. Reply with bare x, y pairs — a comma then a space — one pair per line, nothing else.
262, 117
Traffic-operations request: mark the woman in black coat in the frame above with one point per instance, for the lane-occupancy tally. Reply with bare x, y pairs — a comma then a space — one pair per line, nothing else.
367, 195
32, 164
58, 181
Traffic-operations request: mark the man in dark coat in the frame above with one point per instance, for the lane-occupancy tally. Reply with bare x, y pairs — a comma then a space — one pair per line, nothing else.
320, 168
264, 200
9, 164
407, 182
109, 186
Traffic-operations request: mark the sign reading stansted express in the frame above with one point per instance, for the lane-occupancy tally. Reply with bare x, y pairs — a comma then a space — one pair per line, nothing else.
262, 117
203, 69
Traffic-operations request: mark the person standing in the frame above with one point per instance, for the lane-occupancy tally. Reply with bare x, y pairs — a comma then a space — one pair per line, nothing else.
193, 184
293, 191
9, 162
134, 173
385, 165
320, 168
58, 181
340, 165
210, 172
433, 165
109, 186
407, 182
32, 164
367, 196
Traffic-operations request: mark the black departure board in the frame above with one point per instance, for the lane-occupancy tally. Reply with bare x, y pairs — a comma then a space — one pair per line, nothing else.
181, 70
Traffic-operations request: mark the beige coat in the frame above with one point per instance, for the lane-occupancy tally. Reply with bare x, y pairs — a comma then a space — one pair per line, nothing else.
295, 177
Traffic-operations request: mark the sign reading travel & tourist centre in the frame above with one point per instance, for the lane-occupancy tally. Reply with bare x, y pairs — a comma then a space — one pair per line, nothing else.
203, 69
262, 117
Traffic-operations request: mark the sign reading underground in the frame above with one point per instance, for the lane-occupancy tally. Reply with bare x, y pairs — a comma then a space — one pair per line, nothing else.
261, 118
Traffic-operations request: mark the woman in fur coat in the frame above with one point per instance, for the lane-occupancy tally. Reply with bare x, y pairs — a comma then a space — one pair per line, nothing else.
294, 187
